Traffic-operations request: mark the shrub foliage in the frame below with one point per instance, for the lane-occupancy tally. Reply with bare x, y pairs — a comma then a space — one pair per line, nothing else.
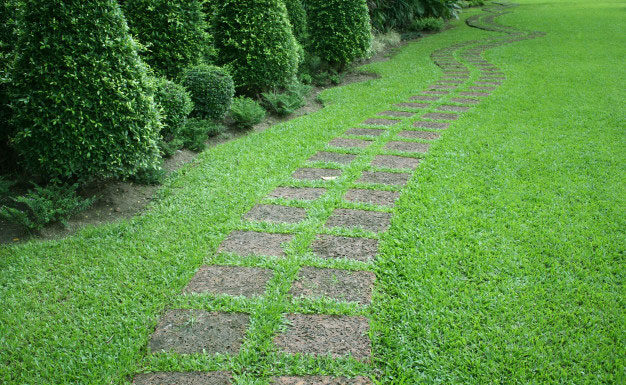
255, 40
400, 14
297, 18
246, 112
176, 105
83, 104
173, 32
7, 39
212, 90
339, 30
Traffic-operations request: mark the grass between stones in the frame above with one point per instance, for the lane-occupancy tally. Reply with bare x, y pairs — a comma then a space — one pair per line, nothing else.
502, 263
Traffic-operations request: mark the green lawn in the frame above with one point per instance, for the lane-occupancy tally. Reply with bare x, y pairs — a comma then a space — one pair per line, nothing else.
504, 263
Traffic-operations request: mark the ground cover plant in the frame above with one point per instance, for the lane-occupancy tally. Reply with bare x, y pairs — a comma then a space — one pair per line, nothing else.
502, 263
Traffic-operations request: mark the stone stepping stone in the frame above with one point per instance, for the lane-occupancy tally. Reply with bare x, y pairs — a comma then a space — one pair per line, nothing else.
318, 334
388, 178
276, 214
465, 100
336, 247
381, 122
375, 197
332, 157
247, 243
425, 98
443, 87
187, 378
412, 105
298, 193
475, 93
486, 83
316, 174
481, 88
408, 146
447, 107
349, 143
340, 285
426, 135
321, 380
397, 114
436, 92
450, 81
230, 280
375, 221
197, 331
441, 116
433, 125
365, 132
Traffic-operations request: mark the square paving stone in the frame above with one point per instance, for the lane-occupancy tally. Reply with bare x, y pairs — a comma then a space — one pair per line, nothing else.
436, 92
316, 334
397, 114
397, 162
433, 125
487, 83
367, 220
375, 197
349, 143
321, 380
381, 122
441, 116
336, 247
482, 88
196, 331
475, 93
276, 214
381, 177
316, 174
179, 378
299, 193
365, 131
230, 280
246, 243
340, 285
408, 146
443, 87
447, 107
412, 105
465, 100
425, 98
332, 157
426, 135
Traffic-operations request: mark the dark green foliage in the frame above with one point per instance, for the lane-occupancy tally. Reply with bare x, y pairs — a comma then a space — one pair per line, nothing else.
400, 14
83, 104
196, 132
431, 24
339, 30
285, 103
297, 18
246, 112
254, 39
212, 90
7, 40
176, 105
173, 31
5, 187
45, 205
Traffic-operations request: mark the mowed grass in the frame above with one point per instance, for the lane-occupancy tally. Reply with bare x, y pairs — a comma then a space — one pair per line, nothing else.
503, 265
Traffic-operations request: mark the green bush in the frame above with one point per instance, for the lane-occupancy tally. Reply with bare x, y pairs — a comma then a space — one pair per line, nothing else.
83, 102
383, 41
176, 105
285, 103
255, 40
339, 30
212, 90
45, 205
400, 14
246, 112
196, 132
5, 188
174, 33
7, 40
297, 18
431, 24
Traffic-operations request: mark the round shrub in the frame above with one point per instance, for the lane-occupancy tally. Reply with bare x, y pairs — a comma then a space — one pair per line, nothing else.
173, 31
254, 39
246, 112
339, 30
176, 105
297, 17
83, 102
212, 90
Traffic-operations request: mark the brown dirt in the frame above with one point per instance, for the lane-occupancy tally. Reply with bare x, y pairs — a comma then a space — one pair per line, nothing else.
425, 98
381, 122
316, 174
321, 380
397, 114
408, 147
340, 285
246, 243
332, 157
195, 331
365, 132
299, 193
276, 214
334, 247
441, 116
191, 378
337, 336
367, 220
230, 280
375, 197
433, 125
412, 105
447, 107
381, 177
349, 143
426, 135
